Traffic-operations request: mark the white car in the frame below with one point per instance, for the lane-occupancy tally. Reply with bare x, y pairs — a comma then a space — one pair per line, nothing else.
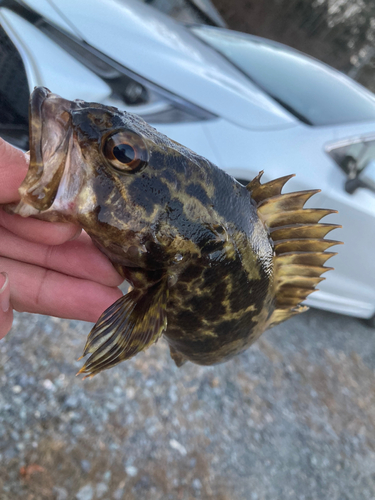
246, 103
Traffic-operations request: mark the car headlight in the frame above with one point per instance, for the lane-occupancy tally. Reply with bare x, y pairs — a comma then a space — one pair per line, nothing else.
130, 91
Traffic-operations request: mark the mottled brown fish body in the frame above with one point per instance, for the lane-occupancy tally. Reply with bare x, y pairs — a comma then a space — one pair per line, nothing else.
212, 263
223, 297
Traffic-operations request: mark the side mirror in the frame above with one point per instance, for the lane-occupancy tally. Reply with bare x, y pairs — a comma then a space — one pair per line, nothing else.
365, 179
367, 175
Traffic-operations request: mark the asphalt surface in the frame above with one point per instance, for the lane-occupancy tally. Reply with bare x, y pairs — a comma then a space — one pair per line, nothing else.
293, 417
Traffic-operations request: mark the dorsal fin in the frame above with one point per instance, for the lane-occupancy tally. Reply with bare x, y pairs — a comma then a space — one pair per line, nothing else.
299, 244
260, 192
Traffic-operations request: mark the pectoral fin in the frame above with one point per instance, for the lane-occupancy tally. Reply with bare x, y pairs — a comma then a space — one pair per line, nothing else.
130, 325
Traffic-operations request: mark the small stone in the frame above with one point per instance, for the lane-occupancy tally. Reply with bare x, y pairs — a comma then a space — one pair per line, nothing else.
15, 435
78, 429
111, 406
85, 493
23, 380
118, 494
131, 470
16, 389
10, 453
48, 384
107, 476
85, 465
60, 493
197, 485
130, 392
215, 382
71, 402
101, 489
178, 446
72, 415
129, 419
59, 381
172, 394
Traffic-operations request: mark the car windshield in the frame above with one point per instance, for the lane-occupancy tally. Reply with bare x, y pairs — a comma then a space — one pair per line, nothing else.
313, 92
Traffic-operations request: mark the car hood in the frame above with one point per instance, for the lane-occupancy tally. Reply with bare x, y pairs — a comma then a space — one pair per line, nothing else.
166, 53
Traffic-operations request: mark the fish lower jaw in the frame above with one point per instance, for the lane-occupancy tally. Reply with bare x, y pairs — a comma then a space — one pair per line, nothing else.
23, 209
61, 209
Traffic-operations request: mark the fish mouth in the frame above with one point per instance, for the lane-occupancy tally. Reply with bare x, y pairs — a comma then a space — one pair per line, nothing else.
50, 133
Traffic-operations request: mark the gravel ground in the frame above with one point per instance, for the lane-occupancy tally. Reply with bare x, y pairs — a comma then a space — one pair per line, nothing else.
293, 417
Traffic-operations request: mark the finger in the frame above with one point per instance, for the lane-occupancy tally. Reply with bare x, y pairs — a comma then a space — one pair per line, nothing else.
38, 290
6, 311
50, 233
13, 168
79, 258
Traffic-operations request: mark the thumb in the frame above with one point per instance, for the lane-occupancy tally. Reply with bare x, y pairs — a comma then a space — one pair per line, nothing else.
13, 168
6, 310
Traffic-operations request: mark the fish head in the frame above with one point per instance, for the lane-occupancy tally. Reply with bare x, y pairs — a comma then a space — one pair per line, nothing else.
110, 172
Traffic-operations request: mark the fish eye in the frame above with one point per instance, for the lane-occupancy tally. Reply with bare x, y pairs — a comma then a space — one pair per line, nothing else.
126, 151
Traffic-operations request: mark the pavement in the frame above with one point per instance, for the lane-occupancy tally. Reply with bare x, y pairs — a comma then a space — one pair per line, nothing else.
291, 418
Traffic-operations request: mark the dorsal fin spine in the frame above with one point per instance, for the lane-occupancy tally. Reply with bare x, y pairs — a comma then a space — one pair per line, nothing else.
299, 244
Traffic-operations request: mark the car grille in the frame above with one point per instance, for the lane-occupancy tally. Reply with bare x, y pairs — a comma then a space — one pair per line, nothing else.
14, 94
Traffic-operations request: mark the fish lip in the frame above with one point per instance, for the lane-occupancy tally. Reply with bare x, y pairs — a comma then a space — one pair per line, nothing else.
37, 98
49, 135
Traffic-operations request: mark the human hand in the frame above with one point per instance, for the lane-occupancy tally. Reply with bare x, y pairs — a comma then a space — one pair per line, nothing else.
47, 268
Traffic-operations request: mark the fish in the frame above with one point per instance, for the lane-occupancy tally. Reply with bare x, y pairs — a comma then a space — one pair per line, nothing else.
211, 263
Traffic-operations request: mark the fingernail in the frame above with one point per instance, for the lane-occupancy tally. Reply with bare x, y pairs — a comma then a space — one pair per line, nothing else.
5, 293
76, 235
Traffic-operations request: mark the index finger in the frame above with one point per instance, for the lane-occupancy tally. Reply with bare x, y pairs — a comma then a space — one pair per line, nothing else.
13, 168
